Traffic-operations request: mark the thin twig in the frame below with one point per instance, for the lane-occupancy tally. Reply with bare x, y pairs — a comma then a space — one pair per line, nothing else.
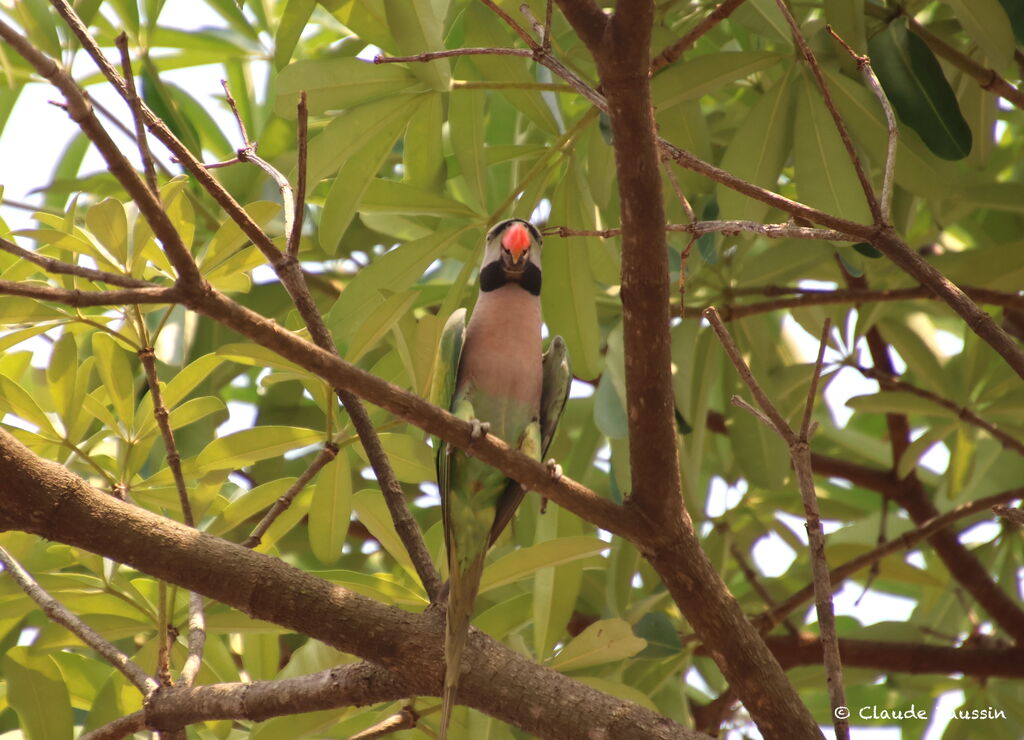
512, 24
772, 231
683, 201
772, 415
327, 453
119, 728
133, 103
750, 574
406, 719
161, 414
58, 613
295, 235
294, 281
83, 298
892, 130
234, 109
428, 56
905, 541
196, 619
800, 452
81, 111
671, 53
65, 268
893, 383
826, 94
1012, 514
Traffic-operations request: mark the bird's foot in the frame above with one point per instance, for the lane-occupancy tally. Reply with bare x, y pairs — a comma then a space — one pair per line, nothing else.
479, 430
554, 469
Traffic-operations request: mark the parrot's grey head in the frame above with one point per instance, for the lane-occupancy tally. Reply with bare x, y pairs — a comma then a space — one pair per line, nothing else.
512, 254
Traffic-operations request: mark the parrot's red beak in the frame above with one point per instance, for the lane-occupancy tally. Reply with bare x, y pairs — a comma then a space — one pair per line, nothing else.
516, 241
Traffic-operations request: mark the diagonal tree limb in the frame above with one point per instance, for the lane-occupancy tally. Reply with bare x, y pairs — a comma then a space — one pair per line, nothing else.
84, 298
81, 112
58, 613
65, 268
799, 451
671, 53
293, 279
45, 499
905, 541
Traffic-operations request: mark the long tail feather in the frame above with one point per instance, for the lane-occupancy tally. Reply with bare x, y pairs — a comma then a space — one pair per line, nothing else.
461, 596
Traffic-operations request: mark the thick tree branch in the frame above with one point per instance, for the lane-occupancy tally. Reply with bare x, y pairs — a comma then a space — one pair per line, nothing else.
901, 657
45, 499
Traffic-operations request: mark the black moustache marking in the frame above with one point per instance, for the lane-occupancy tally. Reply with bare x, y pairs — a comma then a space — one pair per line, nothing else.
493, 276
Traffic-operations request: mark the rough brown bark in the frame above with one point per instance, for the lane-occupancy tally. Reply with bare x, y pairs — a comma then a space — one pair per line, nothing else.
44, 498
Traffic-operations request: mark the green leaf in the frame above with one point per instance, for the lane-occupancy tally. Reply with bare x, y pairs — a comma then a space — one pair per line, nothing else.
15, 399
917, 169
379, 322
423, 162
898, 402
1015, 10
914, 83
261, 654
185, 380
661, 635
555, 587
396, 271
417, 29
847, 18
108, 222
331, 509
338, 83
62, 377
392, 196
706, 74
522, 563
356, 174
36, 691
380, 586
570, 310
372, 511
758, 150
293, 20
763, 18
411, 458
467, 121
117, 375
243, 448
484, 28
916, 449
249, 504
605, 641
987, 23
833, 188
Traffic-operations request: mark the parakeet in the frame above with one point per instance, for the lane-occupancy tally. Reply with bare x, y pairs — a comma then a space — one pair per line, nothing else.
494, 374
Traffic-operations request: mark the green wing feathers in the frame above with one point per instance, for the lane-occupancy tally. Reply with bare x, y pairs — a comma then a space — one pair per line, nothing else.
478, 501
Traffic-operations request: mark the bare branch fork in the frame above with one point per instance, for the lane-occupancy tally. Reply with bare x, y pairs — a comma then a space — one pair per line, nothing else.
800, 452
